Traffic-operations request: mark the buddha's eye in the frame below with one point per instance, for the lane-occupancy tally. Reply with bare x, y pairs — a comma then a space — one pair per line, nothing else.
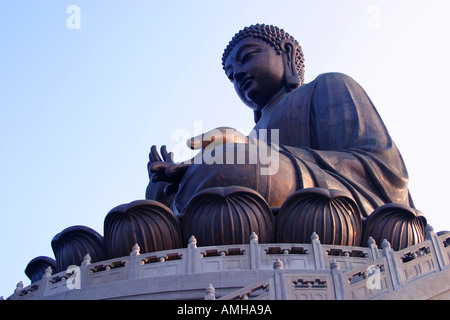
246, 57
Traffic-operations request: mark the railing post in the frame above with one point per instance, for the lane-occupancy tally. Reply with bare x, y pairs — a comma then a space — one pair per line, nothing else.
19, 288
437, 248
338, 283
279, 281
84, 269
191, 255
389, 254
254, 252
373, 249
210, 293
317, 252
132, 263
44, 281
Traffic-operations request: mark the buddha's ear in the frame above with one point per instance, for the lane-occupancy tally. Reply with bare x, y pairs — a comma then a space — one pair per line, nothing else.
291, 76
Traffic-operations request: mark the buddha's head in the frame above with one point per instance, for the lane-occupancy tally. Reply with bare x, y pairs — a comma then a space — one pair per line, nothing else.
262, 61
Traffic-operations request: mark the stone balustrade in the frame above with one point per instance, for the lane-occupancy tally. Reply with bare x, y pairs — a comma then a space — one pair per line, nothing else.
284, 270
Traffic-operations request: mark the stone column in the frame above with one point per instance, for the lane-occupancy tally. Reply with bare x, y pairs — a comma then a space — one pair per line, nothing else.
437, 248
191, 260
279, 283
338, 283
255, 258
44, 281
133, 261
374, 252
317, 252
389, 254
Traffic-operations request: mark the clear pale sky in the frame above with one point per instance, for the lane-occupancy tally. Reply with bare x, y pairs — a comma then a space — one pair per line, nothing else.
80, 107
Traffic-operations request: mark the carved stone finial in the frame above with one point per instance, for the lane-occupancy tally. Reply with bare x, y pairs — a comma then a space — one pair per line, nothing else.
86, 260
385, 244
371, 241
278, 264
314, 236
192, 241
19, 286
48, 272
253, 237
210, 293
135, 250
334, 265
429, 228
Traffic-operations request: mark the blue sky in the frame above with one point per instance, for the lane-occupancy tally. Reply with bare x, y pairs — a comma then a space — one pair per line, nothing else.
80, 108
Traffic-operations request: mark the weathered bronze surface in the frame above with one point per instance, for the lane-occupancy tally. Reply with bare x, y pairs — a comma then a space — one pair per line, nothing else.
319, 159
402, 225
331, 214
72, 244
148, 223
228, 216
37, 267
329, 136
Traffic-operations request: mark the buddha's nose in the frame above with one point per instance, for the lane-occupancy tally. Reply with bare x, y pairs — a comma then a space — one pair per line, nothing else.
239, 74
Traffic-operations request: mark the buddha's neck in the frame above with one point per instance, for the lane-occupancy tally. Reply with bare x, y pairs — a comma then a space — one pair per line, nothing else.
275, 99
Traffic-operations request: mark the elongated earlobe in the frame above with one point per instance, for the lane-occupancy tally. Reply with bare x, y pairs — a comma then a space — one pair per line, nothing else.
292, 78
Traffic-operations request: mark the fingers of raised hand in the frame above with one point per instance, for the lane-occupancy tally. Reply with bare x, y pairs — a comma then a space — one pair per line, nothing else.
164, 153
154, 156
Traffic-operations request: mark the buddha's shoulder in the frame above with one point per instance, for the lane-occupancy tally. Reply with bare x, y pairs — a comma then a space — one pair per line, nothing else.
328, 80
331, 82
334, 78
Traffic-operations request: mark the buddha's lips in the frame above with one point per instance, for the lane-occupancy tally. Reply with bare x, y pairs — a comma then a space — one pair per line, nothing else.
245, 83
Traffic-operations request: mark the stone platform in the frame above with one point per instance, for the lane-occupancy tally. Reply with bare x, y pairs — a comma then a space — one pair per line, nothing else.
278, 271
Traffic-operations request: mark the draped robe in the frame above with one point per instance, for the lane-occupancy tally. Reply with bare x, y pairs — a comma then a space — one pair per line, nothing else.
336, 140
330, 136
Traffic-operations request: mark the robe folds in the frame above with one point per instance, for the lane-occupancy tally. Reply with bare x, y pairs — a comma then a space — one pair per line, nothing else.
336, 139
329, 136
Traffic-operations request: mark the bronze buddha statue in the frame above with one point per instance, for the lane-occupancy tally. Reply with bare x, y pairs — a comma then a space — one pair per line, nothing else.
329, 136
319, 160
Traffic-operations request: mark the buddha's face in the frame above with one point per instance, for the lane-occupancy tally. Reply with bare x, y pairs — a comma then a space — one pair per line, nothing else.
256, 70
